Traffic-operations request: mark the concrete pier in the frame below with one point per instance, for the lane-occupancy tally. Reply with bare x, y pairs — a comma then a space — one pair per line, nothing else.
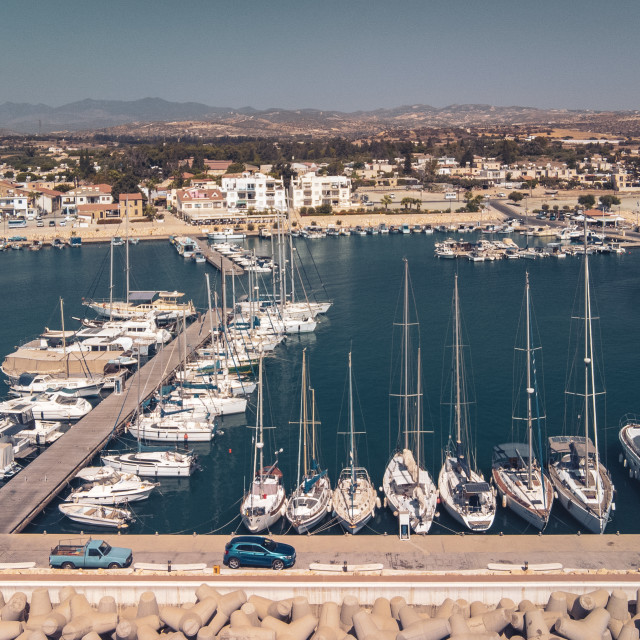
27, 493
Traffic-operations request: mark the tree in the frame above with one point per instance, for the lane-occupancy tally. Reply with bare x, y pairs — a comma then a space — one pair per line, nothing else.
235, 167
407, 169
85, 165
587, 201
516, 196
125, 184
386, 201
406, 202
608, 201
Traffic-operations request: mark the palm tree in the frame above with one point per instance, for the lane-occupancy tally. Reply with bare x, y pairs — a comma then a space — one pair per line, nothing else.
386, 201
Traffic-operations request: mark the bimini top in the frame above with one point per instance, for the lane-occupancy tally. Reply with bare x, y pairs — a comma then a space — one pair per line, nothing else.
562, 444
142, 297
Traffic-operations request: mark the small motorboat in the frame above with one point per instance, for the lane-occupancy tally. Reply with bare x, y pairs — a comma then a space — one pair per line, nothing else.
96, 514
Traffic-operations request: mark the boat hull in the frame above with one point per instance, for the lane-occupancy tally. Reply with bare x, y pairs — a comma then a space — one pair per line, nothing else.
627, 436
156, 465
306, 511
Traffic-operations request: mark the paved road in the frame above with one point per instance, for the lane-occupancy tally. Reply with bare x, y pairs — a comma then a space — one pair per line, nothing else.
427, 553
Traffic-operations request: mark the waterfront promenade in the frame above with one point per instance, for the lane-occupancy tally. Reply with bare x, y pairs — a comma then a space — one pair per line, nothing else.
27, 493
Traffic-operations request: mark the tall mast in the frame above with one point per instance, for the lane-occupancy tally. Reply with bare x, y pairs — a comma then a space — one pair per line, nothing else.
126, 234
111, 284
215, 369
418, 419
405, 338
260, 443
529, 388
64, 340
313, 424
351, 437
457, 361
305, 422
587, 358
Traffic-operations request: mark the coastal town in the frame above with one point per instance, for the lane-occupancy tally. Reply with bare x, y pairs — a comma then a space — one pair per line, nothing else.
318, 321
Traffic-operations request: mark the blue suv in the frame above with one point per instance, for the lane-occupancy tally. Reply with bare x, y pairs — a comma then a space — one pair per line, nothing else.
256, 551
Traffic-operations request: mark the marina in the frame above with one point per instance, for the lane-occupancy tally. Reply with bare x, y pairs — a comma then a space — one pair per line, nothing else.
232, 451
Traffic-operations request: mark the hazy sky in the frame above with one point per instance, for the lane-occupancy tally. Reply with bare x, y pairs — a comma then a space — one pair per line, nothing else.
327, 54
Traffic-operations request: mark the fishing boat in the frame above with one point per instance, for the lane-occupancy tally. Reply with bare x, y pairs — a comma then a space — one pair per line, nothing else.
311, 500
407, 485
265, 502
581, 481
517, 475
355, 498
629, 436
463, 491
113, 488
96, 514
57, 405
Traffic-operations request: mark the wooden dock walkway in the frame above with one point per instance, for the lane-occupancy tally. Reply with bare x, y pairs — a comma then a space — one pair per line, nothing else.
219, 261
31, 490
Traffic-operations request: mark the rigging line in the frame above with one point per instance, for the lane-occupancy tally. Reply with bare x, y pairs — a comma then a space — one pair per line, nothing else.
315, 267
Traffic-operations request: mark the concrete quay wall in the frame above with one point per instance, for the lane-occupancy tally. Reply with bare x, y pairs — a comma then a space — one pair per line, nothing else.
417, 590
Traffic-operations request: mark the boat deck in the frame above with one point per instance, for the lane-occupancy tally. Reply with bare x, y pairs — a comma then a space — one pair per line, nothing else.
22, 499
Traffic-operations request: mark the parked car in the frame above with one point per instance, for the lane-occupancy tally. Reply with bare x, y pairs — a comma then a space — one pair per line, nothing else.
63, 223
40, 223
502, 195
94, 554
256, 551
52, 223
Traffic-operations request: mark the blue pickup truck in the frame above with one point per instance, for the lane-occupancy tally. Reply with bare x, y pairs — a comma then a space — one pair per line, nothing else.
94, 554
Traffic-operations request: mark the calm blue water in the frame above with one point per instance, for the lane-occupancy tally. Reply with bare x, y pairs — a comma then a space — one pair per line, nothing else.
363, 276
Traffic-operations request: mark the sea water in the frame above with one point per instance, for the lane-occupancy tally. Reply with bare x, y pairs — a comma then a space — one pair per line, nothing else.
363, 276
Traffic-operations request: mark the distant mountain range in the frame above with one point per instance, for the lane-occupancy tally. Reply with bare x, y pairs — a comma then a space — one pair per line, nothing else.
154, 116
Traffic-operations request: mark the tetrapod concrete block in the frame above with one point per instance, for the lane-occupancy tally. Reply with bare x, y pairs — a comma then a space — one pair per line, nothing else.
618, 605
557, 602
249, 609
40, 602
15, 609
299, 608
396, 603
590, 628
10, 629
280, 610
53, 624
147, 605
350, 606
431, 629
231, 601
409, 616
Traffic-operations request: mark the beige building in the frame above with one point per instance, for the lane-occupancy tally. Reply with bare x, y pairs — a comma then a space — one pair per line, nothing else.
131, 204
311, 190
203, 206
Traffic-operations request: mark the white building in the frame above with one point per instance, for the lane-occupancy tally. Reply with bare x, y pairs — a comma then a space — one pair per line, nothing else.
13, 201
198, 205
257, 192
311, 190
88, 194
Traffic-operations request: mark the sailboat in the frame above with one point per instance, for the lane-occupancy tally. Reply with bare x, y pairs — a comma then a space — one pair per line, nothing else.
407, 486
354, 499
516, 473
159, 463
582, 482
265, 502
463, 491
311, 500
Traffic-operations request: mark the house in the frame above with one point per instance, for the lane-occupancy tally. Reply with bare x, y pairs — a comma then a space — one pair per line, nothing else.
201, 205
217, 167
88, 194
99, 211
311, 190
13, 200
131, 204
48, 200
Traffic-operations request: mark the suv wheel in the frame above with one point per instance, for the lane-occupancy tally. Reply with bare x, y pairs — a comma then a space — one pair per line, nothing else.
234, 563
114, 565
277, 565
68, 565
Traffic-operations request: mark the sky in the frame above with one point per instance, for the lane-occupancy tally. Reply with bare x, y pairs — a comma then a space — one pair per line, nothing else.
345, 55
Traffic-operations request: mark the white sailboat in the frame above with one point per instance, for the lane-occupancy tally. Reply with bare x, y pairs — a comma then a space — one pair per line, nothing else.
96, 514
582, 482
311, 500
265, 502
355, 498
517, 475
159, 426
31, 383
463, 491
408, 486
155, 464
